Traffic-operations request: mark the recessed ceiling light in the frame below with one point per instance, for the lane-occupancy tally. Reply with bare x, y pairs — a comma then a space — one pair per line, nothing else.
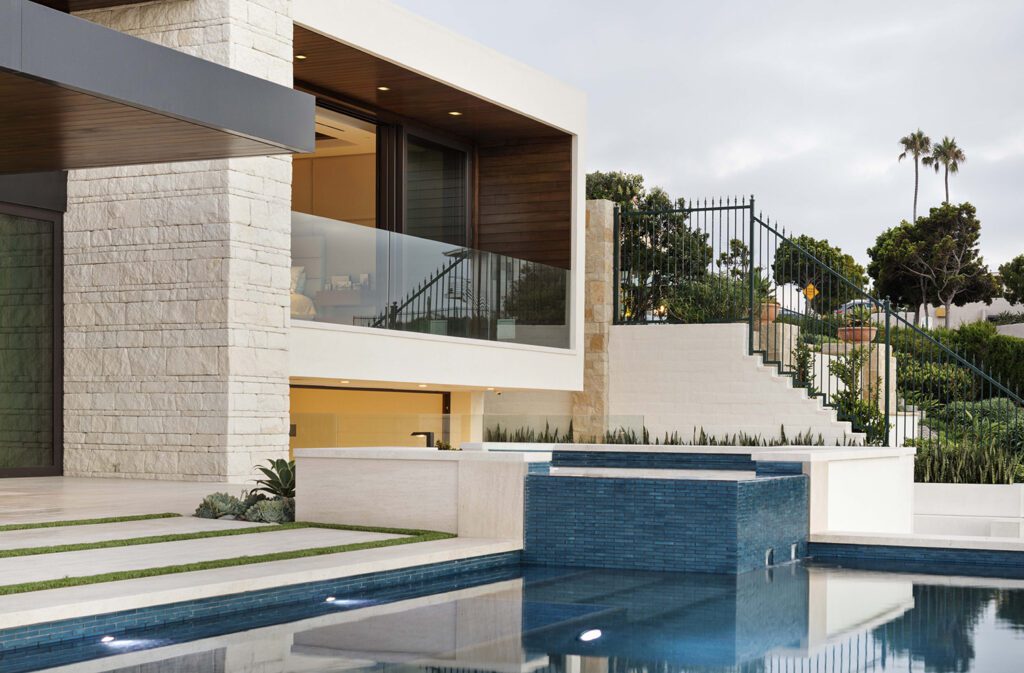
455, 113
343, 381
383, 88
422, 385
300, 57
490, 388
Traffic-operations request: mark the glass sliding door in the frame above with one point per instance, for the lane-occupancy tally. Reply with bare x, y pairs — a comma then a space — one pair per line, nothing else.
436, 192
30, 343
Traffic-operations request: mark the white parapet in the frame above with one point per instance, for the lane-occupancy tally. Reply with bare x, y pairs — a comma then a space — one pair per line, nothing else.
471, 493
856, 489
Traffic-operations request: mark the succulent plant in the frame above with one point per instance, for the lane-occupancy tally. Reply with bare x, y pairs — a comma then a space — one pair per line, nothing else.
276, 510
280, 478
217, 505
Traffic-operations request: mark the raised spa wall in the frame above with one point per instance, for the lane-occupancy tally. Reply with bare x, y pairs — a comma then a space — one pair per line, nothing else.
715, 509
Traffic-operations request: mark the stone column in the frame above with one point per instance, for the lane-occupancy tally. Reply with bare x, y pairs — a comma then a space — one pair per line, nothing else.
176, 281
590, 407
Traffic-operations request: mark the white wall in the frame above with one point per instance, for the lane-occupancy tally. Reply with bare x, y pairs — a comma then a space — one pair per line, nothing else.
987, 510
687, 377
329, 351
396, 35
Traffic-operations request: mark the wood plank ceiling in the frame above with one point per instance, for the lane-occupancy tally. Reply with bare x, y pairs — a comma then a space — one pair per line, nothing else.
354, 75
47, 127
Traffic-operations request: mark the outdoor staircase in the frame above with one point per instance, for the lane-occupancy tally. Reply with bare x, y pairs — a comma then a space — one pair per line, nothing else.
704, 380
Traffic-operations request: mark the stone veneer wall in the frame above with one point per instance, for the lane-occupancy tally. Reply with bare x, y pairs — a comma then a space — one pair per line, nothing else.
590, 406
176, 281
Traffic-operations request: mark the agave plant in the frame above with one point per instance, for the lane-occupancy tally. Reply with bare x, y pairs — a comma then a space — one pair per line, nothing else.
280, 479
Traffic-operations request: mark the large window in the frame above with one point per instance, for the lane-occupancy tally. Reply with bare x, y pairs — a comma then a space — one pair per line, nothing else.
30, 343
436, 192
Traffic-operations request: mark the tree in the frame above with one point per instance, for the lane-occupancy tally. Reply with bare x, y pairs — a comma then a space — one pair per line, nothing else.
944, 252
658, 251
793, 265
917, 145
948, 155
1012, 276
889, 268
625, 189
735, 260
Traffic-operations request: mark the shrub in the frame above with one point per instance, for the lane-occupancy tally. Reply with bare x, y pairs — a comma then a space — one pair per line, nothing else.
216, 505
1006, 318
280, 478
945, 383
711, 299
851, 405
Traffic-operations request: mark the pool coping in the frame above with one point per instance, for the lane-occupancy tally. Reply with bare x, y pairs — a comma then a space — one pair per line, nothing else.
50, 605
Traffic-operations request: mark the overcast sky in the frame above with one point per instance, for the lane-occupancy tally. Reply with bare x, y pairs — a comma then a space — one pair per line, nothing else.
799, 103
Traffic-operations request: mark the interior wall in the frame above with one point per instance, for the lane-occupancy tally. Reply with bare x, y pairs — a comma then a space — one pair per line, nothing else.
524, 196
329, 417
339, 187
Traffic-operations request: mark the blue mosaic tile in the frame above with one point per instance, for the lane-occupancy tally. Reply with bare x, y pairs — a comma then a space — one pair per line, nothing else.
931, 560
660, 524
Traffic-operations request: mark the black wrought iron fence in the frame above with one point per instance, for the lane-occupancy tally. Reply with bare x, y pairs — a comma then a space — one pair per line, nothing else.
896, 383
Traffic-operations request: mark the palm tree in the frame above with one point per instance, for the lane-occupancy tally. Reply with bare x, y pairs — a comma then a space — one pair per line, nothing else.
917, 144
949, 155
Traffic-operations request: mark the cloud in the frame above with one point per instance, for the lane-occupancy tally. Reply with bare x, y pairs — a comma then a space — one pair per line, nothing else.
800, 101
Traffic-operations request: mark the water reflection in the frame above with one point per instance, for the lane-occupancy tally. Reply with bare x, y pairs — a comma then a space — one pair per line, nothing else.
576, 621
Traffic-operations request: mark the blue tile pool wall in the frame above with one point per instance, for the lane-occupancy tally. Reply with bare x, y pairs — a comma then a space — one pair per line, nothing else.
930, 560
653, 460
707, 526
202, 618
714, 620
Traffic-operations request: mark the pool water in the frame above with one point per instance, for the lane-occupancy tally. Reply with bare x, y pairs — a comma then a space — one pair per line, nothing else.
554, 620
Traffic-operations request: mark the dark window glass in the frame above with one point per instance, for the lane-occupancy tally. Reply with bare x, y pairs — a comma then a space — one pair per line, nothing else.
435, 192
26, 342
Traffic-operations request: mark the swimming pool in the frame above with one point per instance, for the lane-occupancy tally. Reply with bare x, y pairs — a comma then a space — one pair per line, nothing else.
517, 619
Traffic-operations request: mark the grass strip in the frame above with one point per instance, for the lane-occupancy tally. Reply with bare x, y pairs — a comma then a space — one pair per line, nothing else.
85, 522
65, 582
199, 535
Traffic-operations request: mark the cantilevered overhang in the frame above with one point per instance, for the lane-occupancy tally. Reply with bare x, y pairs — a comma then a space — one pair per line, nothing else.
77, 95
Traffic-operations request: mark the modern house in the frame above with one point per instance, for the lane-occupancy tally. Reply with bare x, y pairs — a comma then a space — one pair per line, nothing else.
182, 299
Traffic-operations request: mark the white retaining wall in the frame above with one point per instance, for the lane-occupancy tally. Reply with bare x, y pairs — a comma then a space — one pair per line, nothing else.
688, 377
987, 510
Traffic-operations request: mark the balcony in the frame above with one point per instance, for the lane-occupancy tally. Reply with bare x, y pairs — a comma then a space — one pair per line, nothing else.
350, 274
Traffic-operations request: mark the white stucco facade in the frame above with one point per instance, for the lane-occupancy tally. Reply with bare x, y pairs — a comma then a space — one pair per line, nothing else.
400, 37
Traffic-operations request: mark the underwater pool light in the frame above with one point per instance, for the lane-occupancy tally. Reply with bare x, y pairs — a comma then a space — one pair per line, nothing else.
107, 639
589, 635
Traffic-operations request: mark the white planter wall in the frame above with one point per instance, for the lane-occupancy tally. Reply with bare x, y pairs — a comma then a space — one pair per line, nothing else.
969, 509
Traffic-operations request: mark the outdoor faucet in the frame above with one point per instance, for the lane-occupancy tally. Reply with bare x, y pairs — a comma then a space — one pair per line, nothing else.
428, 435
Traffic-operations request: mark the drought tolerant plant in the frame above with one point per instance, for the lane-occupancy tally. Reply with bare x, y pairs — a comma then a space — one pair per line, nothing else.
528, 435
803, 364
941, 461
280, 478
855, 403
275, 510
217, 505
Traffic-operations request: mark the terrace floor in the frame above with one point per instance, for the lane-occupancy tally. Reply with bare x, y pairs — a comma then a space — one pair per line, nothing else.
50, 499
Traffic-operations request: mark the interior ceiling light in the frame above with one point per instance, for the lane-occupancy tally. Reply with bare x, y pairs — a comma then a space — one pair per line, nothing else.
455, 113
383, 88
422, 385
300, 57
344, 381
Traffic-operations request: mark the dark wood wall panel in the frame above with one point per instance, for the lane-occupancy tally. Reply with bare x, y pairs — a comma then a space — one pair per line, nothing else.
525, 199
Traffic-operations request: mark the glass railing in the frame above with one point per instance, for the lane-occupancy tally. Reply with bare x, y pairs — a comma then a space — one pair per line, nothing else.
351, 274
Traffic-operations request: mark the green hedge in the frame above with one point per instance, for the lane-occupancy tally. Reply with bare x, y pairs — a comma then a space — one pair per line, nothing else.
945, 383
